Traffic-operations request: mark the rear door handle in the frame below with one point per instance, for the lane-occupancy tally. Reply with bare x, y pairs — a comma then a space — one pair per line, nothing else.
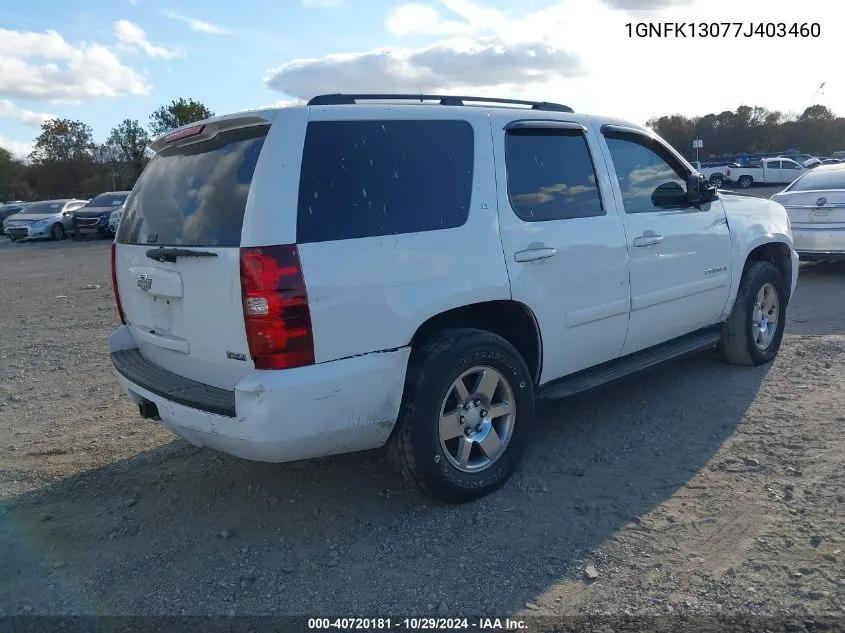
533, 254
648, 239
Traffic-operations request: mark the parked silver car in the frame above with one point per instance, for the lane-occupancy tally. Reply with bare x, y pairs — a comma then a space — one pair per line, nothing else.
49, 219
815, 203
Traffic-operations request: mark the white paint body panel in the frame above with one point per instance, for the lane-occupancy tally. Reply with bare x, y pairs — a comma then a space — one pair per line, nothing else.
367, 297
373, 293
680, 284
754, 222
342, 406
580, 296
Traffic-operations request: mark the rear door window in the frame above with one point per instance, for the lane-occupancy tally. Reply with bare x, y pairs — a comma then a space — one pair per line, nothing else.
194, 195
370, 178
551, 175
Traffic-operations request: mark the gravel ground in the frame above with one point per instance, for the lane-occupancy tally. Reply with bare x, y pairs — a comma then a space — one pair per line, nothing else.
694, 488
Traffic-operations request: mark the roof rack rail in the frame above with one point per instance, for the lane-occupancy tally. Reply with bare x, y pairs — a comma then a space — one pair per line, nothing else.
450, 100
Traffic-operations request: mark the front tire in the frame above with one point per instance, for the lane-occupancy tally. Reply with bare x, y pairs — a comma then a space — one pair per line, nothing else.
753, 334
466, 415
58, 232
717, 180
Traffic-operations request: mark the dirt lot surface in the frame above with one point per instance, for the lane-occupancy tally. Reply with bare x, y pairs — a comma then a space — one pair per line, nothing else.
695, 488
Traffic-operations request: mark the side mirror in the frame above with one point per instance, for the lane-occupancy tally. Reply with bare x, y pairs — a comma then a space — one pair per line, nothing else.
695, 184
708, 192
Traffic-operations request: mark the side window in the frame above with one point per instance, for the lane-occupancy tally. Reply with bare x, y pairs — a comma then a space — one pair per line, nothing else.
650, 177
790, 165
774, 164
551, 175
383, 177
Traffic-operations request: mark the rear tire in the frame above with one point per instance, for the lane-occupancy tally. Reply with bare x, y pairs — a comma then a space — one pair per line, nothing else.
443, 443
748, 338
745, 182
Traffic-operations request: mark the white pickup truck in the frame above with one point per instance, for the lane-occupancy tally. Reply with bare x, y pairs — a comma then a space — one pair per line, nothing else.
714, 173
354, 274
769, 171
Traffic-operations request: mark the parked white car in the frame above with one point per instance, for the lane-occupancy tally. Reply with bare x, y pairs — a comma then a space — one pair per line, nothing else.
353, 274
767, 172
815, 203
50, 219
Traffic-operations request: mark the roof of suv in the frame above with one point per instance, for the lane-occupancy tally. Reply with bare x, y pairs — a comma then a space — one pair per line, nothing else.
416, 104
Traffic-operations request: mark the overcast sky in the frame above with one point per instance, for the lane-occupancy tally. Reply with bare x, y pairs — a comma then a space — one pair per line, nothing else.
102, 61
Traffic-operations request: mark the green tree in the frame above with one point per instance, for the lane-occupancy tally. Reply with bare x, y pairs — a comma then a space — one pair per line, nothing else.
130, 139
63, 155
817, 113
177, 113
63, 140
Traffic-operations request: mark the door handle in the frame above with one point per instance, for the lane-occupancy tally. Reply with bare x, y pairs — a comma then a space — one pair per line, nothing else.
533, 254
648, 239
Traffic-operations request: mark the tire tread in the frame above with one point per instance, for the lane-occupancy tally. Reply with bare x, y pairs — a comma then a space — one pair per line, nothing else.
400, 445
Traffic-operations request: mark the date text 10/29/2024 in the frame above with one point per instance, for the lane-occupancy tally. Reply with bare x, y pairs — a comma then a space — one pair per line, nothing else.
417, 624
723, 29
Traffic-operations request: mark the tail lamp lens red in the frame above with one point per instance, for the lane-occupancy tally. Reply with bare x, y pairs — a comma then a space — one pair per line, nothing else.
114, 284
275, 304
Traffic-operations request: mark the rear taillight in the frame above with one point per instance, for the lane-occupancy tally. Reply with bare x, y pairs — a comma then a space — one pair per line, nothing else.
114, 284
728, 172
276, 314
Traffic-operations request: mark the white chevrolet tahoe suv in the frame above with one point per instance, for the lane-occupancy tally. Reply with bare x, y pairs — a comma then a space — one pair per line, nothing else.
365, 271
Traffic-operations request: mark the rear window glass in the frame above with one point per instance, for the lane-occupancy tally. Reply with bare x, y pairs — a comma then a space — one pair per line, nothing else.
369, 178
820, 179
108, 200
44, 207
194, 195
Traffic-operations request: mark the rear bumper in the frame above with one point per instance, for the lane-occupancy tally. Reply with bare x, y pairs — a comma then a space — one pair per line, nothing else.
818, 242
335, 407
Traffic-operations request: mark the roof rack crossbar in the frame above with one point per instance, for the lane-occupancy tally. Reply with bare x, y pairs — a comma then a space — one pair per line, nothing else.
452, 100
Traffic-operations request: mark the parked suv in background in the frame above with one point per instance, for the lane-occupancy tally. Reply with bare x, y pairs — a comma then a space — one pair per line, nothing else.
48, 219
343, 275
93, 218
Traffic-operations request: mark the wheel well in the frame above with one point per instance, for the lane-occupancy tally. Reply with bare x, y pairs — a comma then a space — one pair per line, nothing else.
511, 320
777, 254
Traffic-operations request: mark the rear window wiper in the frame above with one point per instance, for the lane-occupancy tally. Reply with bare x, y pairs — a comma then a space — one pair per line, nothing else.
162, 254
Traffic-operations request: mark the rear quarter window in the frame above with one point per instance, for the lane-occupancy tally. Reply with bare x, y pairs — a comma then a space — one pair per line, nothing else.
370, 178
195, 194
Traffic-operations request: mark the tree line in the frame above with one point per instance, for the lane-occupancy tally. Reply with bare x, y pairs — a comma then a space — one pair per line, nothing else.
66, 162
750, 130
